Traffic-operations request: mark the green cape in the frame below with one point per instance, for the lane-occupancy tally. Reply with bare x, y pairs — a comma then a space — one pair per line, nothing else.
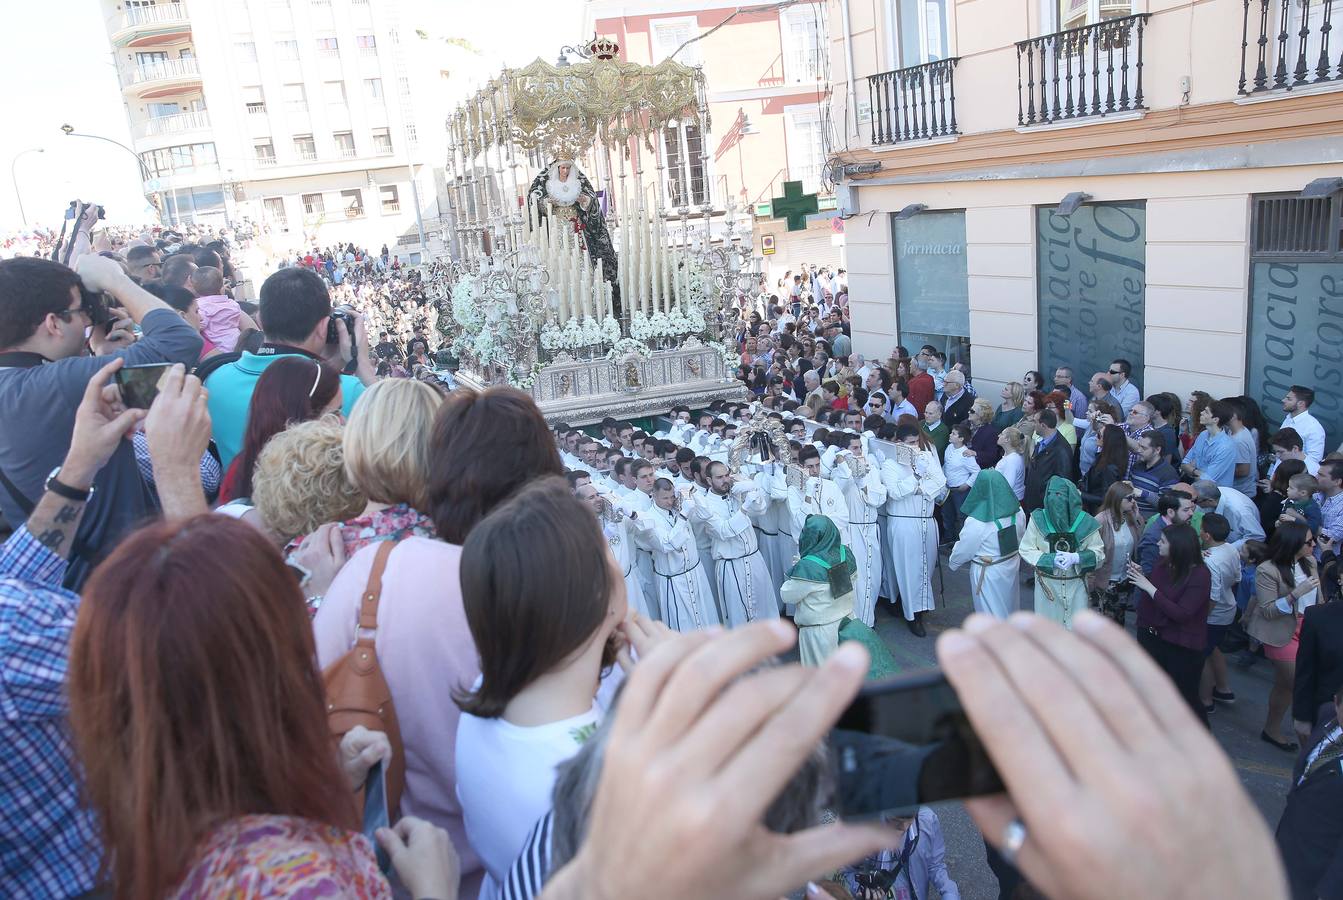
825, 559
990, 498
1062, 511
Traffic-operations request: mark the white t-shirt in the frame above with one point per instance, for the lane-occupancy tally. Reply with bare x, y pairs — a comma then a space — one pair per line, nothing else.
1013, 468
1224, 565
505, 775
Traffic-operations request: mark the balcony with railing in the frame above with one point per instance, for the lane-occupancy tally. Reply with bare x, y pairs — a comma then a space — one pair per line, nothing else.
916, 103
197, 120
157, 24
1082, 73
1285, 46
158, 79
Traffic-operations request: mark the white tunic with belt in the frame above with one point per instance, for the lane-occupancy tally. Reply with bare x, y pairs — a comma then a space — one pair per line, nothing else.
911, 535
993, 576
684, 595
745, 588
865, 497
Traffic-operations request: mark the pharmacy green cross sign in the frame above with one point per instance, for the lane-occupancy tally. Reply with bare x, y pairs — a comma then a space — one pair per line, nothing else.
794, 206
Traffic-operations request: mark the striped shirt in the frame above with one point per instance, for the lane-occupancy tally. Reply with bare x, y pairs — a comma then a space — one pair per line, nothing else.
532, 867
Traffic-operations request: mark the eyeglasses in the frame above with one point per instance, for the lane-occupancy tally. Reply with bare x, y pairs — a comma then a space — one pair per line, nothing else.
68, 315
1113, 372
1133, 497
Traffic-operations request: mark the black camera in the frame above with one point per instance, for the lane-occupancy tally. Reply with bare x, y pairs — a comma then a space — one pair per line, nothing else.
95, 304
344, 314
76, 210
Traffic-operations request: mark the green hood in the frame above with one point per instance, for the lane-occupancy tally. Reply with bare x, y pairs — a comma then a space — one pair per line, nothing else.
990, 498
1063, 511
825, 559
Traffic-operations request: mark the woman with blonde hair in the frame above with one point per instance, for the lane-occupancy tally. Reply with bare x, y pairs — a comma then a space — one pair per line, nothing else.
300, 481
1013, 442
1121, 530
387, 459
984, 440
1009, 412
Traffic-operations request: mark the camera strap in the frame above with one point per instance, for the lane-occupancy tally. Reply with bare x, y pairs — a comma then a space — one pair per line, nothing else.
270, 348
22, 359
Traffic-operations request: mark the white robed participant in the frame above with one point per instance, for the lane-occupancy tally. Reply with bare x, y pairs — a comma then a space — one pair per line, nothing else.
860, 483
745, 588
615, 528
690, 498
815, 496
989, 542
683, 586
914, 480
640, 499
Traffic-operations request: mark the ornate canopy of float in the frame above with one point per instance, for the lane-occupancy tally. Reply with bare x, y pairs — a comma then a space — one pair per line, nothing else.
574, 276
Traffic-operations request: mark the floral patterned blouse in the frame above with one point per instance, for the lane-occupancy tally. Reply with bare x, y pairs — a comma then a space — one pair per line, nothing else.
283, 856
390, 524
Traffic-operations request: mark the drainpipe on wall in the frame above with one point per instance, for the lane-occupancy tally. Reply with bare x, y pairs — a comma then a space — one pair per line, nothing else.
850, 110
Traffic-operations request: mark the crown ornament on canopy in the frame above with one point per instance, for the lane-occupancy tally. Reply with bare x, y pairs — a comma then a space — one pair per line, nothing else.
603, 48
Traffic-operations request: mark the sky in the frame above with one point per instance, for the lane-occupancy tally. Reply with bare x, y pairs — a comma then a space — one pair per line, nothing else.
68, 77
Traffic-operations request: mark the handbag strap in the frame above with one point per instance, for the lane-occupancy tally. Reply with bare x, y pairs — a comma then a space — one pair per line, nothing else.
368, 606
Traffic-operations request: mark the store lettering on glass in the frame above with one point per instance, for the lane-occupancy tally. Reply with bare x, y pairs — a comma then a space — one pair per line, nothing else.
1092, 268
1297, 335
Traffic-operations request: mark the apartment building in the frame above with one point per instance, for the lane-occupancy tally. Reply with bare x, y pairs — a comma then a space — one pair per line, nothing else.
766, 73
1060, 182
319, 119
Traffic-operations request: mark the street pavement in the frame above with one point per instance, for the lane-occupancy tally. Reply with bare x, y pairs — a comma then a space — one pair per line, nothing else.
1264, 770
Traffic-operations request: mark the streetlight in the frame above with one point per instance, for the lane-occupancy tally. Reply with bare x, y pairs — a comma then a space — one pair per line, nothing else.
69, 131
13, 175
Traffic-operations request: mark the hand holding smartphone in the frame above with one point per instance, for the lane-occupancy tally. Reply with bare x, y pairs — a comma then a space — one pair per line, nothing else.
376, 813
139, 385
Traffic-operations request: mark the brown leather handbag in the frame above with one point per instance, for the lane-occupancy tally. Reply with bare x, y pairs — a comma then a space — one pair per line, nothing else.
357, 692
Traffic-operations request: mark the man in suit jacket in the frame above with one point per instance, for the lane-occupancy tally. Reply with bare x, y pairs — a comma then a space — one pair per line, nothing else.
1319, 666
1052, 456
1310, 832
955, 399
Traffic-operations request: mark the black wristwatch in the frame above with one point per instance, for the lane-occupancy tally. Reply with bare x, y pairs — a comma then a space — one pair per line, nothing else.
61, 489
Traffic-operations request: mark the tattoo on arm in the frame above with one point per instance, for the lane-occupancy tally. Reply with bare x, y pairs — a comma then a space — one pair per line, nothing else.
52, 539
67, 514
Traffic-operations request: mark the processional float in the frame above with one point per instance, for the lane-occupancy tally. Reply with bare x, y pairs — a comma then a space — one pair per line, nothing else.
593, 292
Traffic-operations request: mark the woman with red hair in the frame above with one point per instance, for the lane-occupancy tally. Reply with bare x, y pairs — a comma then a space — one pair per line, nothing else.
199, 718
291, 389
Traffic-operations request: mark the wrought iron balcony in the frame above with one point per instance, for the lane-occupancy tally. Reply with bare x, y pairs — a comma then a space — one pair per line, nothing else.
915, 103
1095, 70
1292, 47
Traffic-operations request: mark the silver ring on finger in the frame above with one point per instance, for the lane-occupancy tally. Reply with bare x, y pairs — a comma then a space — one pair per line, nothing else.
1014, 836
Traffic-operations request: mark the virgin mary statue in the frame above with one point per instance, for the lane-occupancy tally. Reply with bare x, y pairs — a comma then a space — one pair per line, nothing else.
565, 192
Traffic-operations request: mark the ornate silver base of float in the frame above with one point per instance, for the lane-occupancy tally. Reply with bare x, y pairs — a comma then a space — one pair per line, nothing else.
581, 392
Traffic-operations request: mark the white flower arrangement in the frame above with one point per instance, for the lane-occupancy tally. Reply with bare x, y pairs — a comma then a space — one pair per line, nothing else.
731, 359
524, 382
551, 337
577, 334
592, 332
627, 346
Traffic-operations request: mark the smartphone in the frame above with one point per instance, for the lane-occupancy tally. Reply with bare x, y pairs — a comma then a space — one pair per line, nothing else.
904, 742
376, 814
139, 385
